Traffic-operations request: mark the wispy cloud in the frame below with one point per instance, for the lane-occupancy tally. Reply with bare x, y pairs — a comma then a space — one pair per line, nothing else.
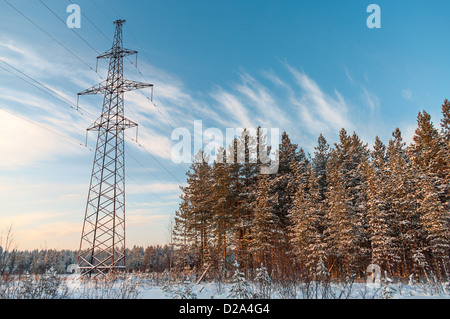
140, 217
319, 111
157, 188
236, 112
349, 76
370, 99
23, 143
407, 94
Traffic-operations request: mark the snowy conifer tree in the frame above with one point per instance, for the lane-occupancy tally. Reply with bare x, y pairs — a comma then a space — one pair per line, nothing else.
426, 154
196, 210
263, 283
240, 289
385, 191
307, 221
264, 234
347, 234
223, 203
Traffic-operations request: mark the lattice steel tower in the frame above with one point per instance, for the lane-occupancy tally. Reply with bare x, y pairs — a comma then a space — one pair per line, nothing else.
102, 246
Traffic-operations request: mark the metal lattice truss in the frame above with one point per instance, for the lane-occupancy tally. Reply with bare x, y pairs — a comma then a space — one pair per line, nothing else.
102, 246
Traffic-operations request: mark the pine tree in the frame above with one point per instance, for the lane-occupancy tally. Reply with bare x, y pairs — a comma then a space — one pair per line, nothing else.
445, 122
185, 290
426, 146
383, 178
347, 235
223, 203
196, 209
445, 155
428, 162
320, 160
435, 220
236, 188
284, 186
182, 234
284, 183
249, 168
264, 234
307, 224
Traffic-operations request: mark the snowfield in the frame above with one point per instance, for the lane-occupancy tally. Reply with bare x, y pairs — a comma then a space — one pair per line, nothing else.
358, 291
143, 286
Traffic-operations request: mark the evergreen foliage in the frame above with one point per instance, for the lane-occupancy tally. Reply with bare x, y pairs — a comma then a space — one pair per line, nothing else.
345, 208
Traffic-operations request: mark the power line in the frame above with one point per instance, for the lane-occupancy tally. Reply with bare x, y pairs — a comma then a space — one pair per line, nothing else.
70, 104
139, 71
165, 168
87, 43
73, 30
58, 96
53, 38
64, 100
147, 189
152, 102
112, 8
62, 135
45, 128
95, 26
135, 65
149, 61
140, 163
77, 143
100, 9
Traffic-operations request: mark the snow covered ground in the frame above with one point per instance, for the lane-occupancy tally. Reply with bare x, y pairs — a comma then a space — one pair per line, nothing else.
358, 291
214, 290
138, 286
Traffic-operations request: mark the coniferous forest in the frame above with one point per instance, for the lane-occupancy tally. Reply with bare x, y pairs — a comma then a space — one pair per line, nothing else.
338, 210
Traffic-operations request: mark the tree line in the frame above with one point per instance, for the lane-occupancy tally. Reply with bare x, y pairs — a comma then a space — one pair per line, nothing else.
340, 209
155, 258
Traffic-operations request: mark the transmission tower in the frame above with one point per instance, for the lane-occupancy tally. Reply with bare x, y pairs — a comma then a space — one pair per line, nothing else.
102, 246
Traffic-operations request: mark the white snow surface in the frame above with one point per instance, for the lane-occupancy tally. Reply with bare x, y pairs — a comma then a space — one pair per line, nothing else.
215, 290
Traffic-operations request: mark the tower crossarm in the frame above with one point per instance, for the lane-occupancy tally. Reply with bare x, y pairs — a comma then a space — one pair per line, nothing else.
114, 53
105, 87
121, 124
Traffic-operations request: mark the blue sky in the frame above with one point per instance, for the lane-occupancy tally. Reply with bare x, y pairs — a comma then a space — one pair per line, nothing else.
305, 67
